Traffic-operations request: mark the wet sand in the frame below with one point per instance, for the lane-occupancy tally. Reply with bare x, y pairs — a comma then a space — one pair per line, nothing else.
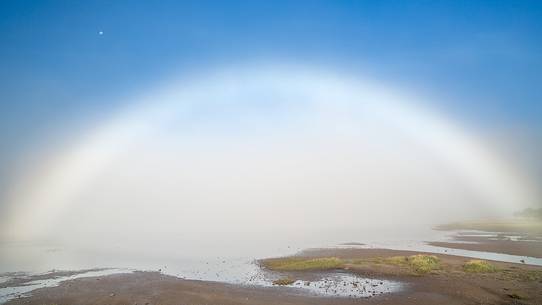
523, 248
515, 236
450, 287
18, 279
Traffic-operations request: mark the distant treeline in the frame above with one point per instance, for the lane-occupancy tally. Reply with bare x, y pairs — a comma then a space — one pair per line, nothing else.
530, 212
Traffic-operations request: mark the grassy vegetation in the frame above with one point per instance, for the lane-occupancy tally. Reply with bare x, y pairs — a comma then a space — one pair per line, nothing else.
299, 264
478, 266
423, 263
418, 264
284, 281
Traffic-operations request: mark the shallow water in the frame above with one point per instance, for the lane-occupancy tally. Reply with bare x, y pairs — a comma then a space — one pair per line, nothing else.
346, 285
24, 289
500, 257
448, 236
229, 260
226, 261
191, 254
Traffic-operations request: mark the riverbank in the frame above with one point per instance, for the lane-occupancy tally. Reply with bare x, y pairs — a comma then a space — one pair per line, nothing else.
446, 282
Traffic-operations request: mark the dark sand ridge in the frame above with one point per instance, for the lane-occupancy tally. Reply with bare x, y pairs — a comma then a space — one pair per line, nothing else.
529, 230
512, 284
522, 248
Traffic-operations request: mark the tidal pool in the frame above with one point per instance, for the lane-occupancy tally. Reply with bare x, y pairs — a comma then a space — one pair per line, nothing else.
345, 285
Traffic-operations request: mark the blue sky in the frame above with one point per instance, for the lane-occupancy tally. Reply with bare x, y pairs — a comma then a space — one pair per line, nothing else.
483, 58
75, 140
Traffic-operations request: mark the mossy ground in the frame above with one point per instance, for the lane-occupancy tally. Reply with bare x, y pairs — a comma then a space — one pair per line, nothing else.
417, 264
299, 264
478, 266
423, 263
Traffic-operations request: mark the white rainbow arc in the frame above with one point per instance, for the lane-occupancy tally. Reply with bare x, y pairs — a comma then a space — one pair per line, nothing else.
52, 190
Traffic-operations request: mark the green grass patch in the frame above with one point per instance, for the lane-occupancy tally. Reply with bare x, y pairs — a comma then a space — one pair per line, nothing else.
423, 263
401, 261
284, 281
478, 266
418, 264
396, 260
299, 264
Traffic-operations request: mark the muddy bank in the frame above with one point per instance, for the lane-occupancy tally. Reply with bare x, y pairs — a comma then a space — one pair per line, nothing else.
21, 278
155, 288
448, 280
511, 284
515, 236
522, 248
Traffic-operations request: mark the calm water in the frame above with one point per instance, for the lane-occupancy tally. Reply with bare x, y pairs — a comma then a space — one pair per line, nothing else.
191, 256
231, 261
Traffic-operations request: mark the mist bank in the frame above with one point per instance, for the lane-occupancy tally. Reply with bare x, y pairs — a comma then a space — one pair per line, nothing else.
257, 153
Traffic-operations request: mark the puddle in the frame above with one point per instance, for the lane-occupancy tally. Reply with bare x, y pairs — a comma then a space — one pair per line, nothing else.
346, 285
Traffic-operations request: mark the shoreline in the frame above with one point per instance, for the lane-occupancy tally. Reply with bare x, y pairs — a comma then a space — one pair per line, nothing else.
518, 248
445, 285
351, 273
